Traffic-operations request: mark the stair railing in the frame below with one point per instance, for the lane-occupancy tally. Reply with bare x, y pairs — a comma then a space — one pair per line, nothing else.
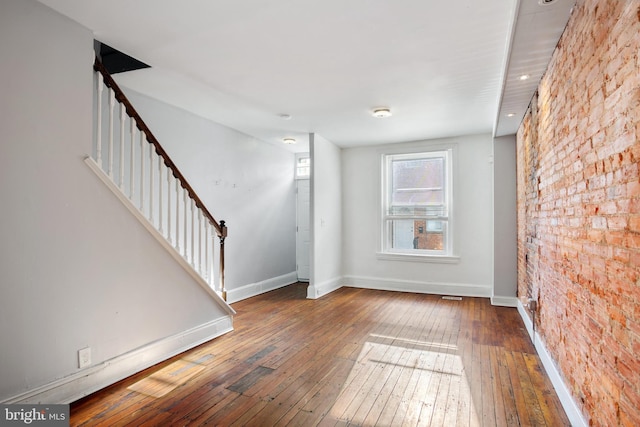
137, 164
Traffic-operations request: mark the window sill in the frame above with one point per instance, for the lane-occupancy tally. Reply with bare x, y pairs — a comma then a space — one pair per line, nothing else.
439, 259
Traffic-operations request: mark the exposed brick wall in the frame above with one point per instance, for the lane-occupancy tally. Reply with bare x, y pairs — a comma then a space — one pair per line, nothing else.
579, 209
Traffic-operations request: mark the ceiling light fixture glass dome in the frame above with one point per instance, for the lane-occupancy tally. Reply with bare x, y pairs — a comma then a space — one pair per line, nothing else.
381, 112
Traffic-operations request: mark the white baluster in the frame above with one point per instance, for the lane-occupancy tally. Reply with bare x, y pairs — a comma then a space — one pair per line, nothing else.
99, 123
143, 143
215, 278
132, 154
203, 248
199, 266
178, 215
151, 150
169, 237
212, 243
112, 101
184, 248
160, 207
193, 232
121, 167
206, 251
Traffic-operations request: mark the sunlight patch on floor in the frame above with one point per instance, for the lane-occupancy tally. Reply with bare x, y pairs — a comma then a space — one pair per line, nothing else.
406, 382
405, 341
166, 379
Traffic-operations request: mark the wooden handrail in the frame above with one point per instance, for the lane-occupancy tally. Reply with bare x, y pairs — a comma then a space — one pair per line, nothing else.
221, 229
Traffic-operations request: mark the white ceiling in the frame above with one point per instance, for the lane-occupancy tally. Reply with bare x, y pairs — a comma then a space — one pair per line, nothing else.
444, 68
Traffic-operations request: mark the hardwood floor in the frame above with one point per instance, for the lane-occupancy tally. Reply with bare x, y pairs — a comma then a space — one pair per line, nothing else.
354, 357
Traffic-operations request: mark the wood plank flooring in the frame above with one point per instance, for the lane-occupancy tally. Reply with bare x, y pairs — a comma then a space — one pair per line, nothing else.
355, 357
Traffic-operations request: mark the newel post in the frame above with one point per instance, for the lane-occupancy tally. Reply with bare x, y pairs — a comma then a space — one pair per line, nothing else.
222, 236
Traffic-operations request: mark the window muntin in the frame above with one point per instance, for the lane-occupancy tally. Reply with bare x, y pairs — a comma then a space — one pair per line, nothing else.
417, 203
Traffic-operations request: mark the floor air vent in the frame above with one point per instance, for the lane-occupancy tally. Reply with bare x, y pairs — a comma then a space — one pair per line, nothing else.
452, 298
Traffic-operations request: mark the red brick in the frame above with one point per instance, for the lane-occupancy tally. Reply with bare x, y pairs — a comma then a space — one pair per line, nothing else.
634, 206
634, 327
608, 208
632, 241
614, 238
634, 223
579, 217
616, 223
629, 414
598, 222
623, 206
620, 254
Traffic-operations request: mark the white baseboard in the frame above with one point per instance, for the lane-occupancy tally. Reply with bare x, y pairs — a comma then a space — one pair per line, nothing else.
504, 301
568, 404
94, 378
317, 290
525, 318
457, 289
253, 289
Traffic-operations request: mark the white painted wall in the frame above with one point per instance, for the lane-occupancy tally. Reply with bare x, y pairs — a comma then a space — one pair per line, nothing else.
242, 180
326, 217
505, 221
473, 222
76, 269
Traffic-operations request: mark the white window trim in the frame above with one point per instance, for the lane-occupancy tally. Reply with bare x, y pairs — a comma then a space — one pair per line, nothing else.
449, 256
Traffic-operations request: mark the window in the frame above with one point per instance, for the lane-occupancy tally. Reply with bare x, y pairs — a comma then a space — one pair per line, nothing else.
303, 166
416, 218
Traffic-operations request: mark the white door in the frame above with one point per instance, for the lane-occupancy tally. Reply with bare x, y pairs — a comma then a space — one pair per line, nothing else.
302, 230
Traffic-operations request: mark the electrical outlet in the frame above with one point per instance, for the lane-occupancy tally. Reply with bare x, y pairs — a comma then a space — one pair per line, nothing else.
84, 357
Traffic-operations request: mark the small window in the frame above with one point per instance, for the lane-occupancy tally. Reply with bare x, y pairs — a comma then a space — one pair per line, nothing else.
416, 217
303, 166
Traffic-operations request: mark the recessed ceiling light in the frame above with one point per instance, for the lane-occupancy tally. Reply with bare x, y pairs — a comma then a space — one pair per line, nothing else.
511, 114
524, 77
285, 116
381, 112
289, 140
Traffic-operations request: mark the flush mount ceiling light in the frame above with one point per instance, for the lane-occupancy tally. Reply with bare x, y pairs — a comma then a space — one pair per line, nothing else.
289, 140
524, 77
381, 112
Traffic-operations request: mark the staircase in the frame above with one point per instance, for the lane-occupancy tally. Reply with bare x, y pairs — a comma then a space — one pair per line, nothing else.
132, 163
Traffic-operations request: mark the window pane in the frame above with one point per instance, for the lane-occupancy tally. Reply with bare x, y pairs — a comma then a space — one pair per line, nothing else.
407, 234
417, 183
303, 167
